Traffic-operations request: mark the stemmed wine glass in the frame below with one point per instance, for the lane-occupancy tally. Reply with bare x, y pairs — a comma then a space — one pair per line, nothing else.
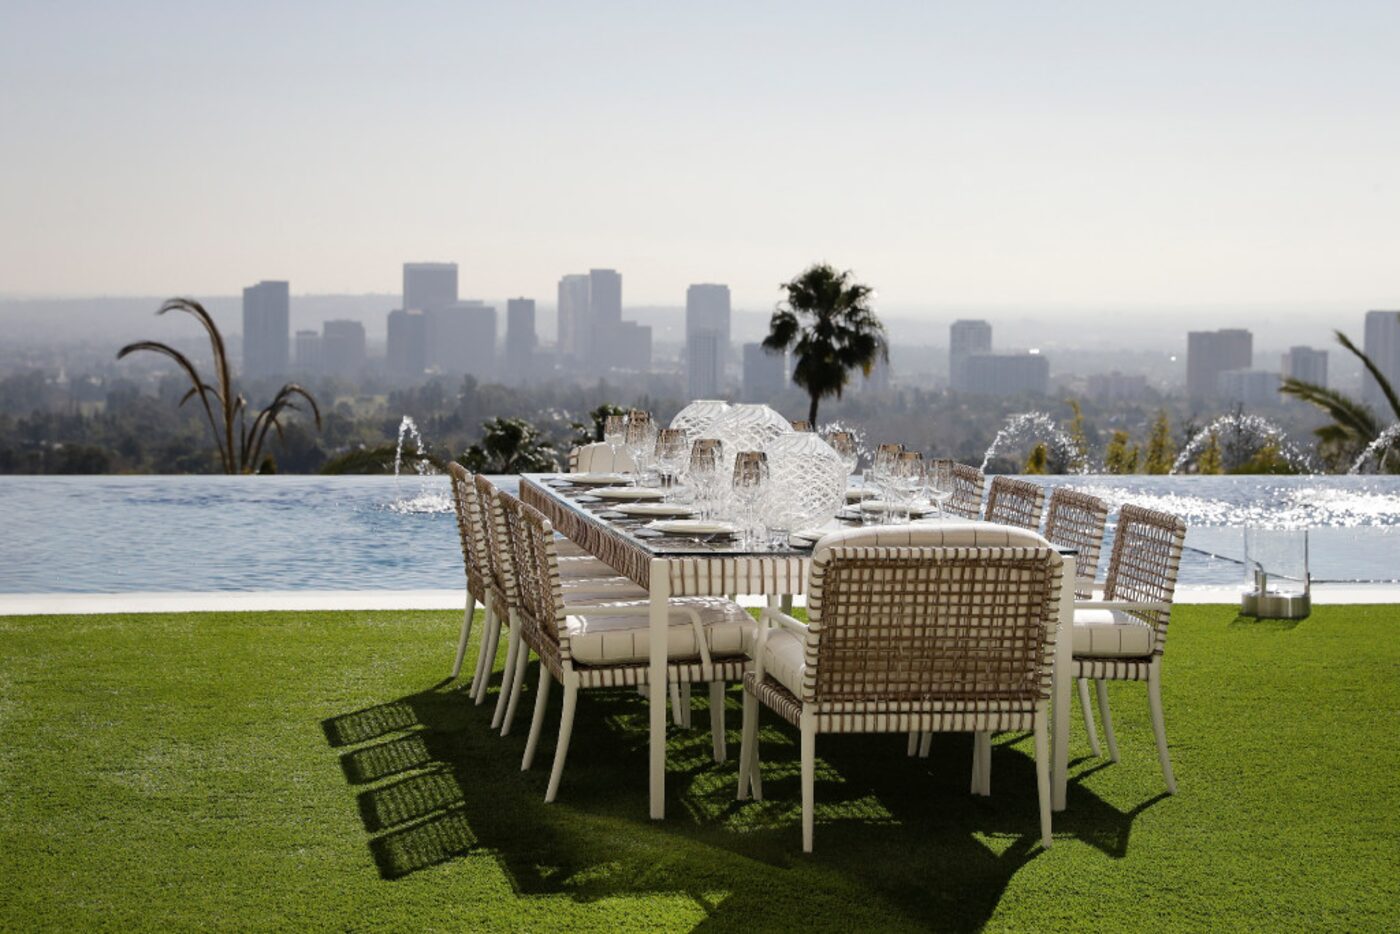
879, 474
750, 484
940, 483
641, 440
615, 436
671, 454
704, 475
907, 477
844, 444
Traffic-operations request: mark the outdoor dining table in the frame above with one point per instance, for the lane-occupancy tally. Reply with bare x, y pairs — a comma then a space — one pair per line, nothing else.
673, 566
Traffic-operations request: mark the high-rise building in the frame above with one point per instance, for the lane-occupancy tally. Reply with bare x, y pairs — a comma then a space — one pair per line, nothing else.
966, 338
765, 373
343, 348
520, 338
461, 338
310, 353
266, 329
428, 286
1383, 347
1210, 353
1004, 374
605, 298
575, 330
1248, 387
1117, 387
1306, 364
629, 346
407, 351
702, 370
707, 319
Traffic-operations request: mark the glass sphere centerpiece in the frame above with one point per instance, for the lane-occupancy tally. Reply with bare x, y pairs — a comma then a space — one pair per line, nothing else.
807, 481
695, 418
745, 428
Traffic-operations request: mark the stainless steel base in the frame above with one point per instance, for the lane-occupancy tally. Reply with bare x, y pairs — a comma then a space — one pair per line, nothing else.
1276, 605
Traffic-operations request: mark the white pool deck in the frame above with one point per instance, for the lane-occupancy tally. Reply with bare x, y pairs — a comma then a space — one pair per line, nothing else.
62, 604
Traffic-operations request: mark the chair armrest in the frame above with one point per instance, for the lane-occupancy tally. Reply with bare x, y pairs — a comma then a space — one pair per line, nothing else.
1119, 605
787, 622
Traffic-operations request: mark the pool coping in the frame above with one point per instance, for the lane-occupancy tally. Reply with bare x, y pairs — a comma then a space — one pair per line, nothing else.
65, 604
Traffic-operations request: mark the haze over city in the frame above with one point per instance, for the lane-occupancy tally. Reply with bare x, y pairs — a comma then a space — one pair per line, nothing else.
1072, 158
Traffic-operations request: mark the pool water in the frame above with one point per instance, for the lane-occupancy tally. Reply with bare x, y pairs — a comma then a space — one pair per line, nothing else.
184, 533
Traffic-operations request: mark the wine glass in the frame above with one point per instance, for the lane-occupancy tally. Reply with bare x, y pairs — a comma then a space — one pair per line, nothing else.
671, 454
844, 444
750, 484
881, 468
908, 477
801, 424
703, 474
615, 435
641, 440
940, 483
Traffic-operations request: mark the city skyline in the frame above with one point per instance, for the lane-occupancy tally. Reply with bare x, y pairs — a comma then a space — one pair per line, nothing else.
1084, 156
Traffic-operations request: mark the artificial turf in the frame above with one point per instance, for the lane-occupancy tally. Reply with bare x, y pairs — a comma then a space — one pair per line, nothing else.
313, 770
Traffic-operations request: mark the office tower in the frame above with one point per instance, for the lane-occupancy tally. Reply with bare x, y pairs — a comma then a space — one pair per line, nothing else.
1306, 364
629, 346
605, 298
1003, 374
520, 339
575, 331
343, 348
702, 371
310, 353
965, 339
1383, 347
1210, 353
1252, 388
461, 338
266, 329
707, 317
427, 286
407, 352
765, 373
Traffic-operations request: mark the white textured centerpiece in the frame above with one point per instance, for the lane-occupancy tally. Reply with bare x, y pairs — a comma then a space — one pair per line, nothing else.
697, 417
807, 481
746, 428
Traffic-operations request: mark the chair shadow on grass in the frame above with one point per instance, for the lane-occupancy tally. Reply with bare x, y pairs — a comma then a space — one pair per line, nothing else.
438, 785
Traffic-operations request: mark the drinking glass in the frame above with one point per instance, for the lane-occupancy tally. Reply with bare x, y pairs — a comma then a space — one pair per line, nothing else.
801, 424
671, 454
641, 441
750, 484
615, 435
844, 444
908, 476
704, 474
940, 483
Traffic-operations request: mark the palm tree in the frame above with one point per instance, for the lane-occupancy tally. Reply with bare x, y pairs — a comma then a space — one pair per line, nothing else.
827, 320
510, 445
1354, 426
239, 444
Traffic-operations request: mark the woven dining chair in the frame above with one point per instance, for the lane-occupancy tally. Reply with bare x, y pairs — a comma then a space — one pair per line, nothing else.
1015, 502
583, 645
583, 575
464, 503
1077, 520
968, 484
912, 630
1123, 636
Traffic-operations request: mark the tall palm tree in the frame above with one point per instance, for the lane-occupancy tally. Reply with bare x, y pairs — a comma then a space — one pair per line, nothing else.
239, 444
1354, 426
827, 320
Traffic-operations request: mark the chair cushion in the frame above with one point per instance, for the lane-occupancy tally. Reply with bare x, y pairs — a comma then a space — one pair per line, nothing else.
604, 639
583, 566
1111, 634
942, 535
601, 590
785, 659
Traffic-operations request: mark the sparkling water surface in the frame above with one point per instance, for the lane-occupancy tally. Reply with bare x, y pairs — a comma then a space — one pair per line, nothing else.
182, 533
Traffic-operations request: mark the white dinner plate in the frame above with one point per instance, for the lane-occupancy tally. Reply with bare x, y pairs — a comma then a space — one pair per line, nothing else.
880, 505
696, 527
655, 509
628, 494
597, 479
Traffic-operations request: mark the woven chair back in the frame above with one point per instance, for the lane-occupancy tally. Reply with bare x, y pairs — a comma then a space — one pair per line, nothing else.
467, 507
1077, 520
907, 625
539, 592
502, 564
1015, 502
968, 484
1143, 565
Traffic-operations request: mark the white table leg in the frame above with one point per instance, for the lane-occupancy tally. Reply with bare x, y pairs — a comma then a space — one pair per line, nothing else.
1061, 685
660, 596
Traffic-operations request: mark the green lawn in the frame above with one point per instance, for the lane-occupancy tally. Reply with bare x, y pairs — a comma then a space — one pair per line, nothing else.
312, 770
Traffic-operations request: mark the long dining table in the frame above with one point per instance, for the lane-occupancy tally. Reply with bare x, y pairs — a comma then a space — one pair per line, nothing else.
673, 566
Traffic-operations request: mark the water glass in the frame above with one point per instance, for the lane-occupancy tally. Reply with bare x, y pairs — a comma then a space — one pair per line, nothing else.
704, 475
615, 434
671, 454
750, 484
844, 444
939, 480
641, 440
907, 479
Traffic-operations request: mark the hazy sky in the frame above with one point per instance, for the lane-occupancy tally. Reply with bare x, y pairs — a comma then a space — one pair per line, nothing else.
948, 152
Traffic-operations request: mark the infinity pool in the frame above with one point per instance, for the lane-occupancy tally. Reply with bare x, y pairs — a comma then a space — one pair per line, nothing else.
182, 533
